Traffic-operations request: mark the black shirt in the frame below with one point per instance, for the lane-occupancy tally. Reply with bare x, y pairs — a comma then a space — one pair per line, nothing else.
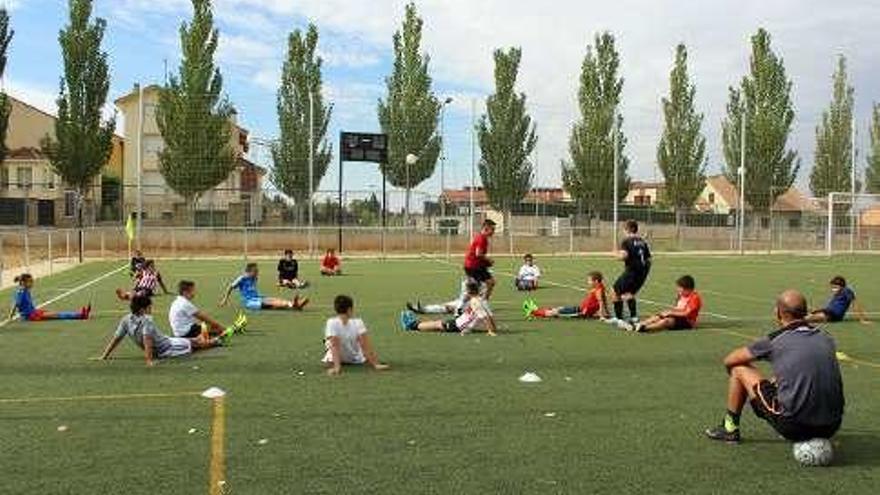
638, 255
287, 269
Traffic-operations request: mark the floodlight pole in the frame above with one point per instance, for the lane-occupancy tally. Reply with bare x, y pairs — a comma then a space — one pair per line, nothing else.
742, 180
446, 102
615, 130
473, 168
140, 166
311, 171
339, 212
829, 228
852, 186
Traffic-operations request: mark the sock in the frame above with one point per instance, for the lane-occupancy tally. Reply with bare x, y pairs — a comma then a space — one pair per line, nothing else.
70, 315
731, 421
631, 304
618, 310
437, 309
540, 313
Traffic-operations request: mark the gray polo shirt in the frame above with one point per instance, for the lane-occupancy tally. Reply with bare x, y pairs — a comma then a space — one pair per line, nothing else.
139, 326
804, 362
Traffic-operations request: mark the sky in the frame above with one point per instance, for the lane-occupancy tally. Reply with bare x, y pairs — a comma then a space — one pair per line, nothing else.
142, 40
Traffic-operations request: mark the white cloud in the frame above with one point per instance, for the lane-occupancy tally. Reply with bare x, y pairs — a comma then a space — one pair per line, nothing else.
43, 98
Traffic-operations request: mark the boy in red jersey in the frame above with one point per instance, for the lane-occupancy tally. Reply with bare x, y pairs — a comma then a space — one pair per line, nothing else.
330, 265
477, 261
683, 316
594, 304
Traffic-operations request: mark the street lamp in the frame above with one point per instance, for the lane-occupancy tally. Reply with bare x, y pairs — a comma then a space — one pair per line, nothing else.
446, 102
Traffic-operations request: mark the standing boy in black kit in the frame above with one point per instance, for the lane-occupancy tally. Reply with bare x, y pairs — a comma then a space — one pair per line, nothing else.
636, 257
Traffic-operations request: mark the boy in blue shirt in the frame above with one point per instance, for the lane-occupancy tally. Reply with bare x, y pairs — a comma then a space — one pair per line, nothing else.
842, 298
251, 299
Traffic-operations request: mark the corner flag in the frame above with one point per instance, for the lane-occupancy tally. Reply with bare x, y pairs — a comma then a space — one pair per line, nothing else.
130, 229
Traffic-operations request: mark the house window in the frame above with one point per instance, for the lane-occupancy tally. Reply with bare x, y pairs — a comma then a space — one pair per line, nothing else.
4, 177
50, 179
69, 203
711, 198
25, 177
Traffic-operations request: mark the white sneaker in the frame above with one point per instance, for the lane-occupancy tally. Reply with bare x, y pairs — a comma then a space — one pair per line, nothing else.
624, 325
610, 321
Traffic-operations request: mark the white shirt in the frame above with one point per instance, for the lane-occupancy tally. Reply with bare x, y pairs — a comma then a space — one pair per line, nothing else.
182, 316
350, 351
529, 272
474, 316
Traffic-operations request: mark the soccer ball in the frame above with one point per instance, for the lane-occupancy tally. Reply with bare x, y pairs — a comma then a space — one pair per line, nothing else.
815, 452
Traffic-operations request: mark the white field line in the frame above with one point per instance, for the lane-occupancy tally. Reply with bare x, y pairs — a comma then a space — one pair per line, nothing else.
581, 289
70, 292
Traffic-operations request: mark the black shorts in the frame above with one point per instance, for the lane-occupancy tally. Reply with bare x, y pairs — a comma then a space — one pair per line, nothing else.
766, 406
481, 274
142, 292
450, 326
681, 323
630, 281
194, 331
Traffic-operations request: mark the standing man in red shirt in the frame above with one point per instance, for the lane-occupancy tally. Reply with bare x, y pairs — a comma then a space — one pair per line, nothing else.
477, 261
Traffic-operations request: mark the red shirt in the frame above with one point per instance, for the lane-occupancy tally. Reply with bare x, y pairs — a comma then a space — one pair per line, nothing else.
471, 260
691, 304
590, 304
330, 261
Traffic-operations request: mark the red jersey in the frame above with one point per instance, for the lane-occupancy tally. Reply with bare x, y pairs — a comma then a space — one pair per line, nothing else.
691, 304
471, 260
590, 305
330, 261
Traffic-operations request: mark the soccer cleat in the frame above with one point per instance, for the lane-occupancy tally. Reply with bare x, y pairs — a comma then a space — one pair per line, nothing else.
240, 323
722, 434
639, 327
529, 306
408, 321
415, 309
226, 337
299, 304
86, 311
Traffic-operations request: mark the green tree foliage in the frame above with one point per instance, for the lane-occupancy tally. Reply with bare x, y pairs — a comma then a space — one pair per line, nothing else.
408, 114
589, 177
872, 174
6, 34
832, 170
193, 116
507, 137
83, 139
764, 96
301, 77
681, 153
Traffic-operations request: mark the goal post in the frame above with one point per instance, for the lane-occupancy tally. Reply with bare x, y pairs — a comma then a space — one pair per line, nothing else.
852, 222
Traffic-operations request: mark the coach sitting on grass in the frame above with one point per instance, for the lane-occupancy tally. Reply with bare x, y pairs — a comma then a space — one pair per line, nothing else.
804, 399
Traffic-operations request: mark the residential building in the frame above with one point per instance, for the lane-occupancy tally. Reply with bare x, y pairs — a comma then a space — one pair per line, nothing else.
30, 191
720, 196
236, 201
643, 193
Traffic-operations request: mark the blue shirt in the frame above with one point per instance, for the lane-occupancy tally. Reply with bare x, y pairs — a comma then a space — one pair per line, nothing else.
840, 302
247, 287
24, 303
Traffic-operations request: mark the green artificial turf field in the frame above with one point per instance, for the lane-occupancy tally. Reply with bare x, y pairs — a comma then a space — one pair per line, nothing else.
615, 413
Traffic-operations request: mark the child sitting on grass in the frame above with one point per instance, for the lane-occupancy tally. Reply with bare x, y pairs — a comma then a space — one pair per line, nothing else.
346, 340
251, 299
683, 316
288, 272
529, 273
188, 321
842, 298
330, 264
475, 315
140, 327
28, 311
146, 282
594, 304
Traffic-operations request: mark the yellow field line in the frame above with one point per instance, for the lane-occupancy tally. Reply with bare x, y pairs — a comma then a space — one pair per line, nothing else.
217, 470
25, 400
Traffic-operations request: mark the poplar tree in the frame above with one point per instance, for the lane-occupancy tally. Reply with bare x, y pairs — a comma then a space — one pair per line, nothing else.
193, 116
832, 171
507, 138
872, 174
303, 126
764, 97
83, 138
681, 154
6, 34
408, 113
589, 176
